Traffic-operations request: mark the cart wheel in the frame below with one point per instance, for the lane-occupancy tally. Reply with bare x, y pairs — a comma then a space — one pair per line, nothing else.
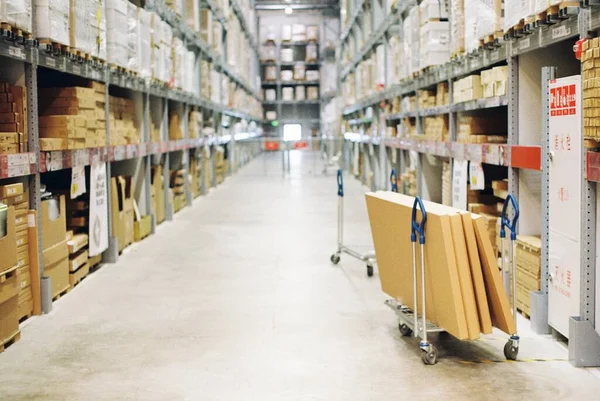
404, 330
335, 258
430, 356
370, 270
510, 351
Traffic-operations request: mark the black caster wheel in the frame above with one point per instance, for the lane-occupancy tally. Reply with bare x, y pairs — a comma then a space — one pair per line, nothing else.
430, 356
370, 270
511, 351
404, 330
335, 258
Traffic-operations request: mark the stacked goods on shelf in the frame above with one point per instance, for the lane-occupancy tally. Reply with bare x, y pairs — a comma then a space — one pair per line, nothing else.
72, 117
17, 14
529, 263
192, 14
349, 89
464, 291
9, 281
408, 127
122, 120
195, 176
312, 33
54, 244
179, 55
287, 94
175, 126
154, 133
14, 235
433, 34
411, 37
481, 129
409, 182
312, 93
408, 103
205, 71
397, 70
206, 26
312, 53
158, 194
494, 81
515, 11
177, 185
447, 182
195, 124
144, 43
52, 22
77, 240
122, 210
442, 95
13, 119
483, 22
299, 72
300, 93
271, 73
298, 33
162, 40
87, 28
117, 35
435, 128
220, 164
215, 86
590, 59
500, 188
132, 40
427, 99
467, 89
457, 28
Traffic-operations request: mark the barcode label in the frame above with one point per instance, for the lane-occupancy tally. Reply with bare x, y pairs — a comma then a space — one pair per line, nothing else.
16, 52
51, 62
77, 69
525, 44
560, 32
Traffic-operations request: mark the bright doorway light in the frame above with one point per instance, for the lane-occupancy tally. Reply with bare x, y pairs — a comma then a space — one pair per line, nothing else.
289, 10
292, 132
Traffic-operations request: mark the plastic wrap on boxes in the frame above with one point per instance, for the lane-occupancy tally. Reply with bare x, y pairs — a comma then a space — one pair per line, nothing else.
299, 72
167, 53
156, 39
311, 53
271, 73
540, 6
178, 63
269, 53
190, 78
270, 34
411, 36
312, 33
435, 44
144, 43
133, 34
270, 95
286, 33
300, 93
432, 10
217, 37
17, 13
457, 27
205, 68
224, 90
287, 75
482, 18
117, 32
192, 14
287, 94
298, 33
287, 55
81, 15
52, 20
514, 12
312, 75
215, 86
312, 93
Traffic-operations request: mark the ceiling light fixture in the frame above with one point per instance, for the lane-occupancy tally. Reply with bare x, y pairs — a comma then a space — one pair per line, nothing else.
289, 10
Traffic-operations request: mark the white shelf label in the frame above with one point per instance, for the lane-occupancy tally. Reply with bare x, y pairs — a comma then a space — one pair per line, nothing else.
495, 55
16, 52
77, 69
525, 44
51, 61
560, 32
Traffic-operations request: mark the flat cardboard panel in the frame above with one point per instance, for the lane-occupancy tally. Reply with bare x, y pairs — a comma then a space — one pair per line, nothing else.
54, 231
501, 314
464, 276
9, 321
8, 243
483, 309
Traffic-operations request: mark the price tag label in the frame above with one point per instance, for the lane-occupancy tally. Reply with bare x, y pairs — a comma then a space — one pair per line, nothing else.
50, 61
474, 153
525, 44
77, 69
17, 52
494, 55
560, 32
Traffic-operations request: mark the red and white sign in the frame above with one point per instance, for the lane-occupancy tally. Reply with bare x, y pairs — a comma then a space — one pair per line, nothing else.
563, 99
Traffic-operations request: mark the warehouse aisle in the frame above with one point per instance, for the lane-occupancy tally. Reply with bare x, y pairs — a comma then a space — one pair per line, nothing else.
237, 300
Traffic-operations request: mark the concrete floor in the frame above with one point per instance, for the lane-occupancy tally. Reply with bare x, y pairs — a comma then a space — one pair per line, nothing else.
237, 300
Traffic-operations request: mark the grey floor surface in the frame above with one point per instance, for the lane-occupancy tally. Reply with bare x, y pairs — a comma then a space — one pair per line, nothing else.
237, 300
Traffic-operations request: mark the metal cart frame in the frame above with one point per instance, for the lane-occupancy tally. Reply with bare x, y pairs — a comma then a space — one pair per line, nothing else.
368, 257
409, 321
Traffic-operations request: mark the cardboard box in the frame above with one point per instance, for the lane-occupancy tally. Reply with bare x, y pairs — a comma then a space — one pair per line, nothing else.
77, 242
67, 92
78, 261
9, 287
63, 121
23, 277
54, 228
9, 320
8, 246
20, 199
22, 259
25, 308
50, 144
56, 266
122, 210
142, 228
7, 191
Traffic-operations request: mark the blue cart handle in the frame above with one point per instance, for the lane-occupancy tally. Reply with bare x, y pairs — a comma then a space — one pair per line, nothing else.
417, 227
340, 183
511, 225
394, 180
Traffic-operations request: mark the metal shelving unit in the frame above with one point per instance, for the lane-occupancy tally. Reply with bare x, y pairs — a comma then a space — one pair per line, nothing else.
526, 155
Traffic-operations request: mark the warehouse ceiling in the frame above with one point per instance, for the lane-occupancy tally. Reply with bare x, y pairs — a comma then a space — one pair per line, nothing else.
296, 4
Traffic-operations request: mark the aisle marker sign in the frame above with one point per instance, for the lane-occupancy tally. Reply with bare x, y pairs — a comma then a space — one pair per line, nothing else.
98, 227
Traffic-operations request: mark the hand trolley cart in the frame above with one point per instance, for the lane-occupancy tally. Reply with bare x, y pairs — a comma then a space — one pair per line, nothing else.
335, 258
394, 180
511, 349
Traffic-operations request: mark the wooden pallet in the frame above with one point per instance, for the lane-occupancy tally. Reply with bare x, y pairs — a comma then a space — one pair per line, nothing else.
61, 293
54, 47
123, 70
78, 275
524, 313
15, 33
95, 262
516, 31
24, 318
10, 341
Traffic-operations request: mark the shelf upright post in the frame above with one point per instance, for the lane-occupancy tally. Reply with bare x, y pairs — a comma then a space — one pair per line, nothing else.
164, 131
111, 254
35, 179
147, 121
513, 139
452, 122
186, 154
539, 299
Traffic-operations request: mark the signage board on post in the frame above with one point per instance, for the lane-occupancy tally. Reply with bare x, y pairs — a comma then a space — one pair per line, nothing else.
98, 224
564, 265
460, 173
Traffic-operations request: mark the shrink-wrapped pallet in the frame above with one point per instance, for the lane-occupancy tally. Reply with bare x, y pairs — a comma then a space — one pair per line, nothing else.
541, 6
192, 14
157, 31
81, 35
206, 26
380, 67
176, 5
52, 20
205, 79
483, 18
311, 53
432, 10
145, 43
166, 51
411, 38
286, 33
215, 86
17, 13
457, 27
117, 32
435, 44
514, 12
132, 38
191, 79
178, 64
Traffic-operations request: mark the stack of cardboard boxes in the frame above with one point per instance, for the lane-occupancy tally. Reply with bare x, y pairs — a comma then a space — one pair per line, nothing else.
495, 81
122, 210
9, 284
178, 189
220, 164
175, 128
433, 34
122, 120
71, 118
18, 202
528, 270
158, 194
481, 129
54, 244
13, 119
467, 89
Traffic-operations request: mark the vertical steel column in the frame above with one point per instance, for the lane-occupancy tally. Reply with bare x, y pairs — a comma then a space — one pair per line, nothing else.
111, 255
164, 129
539, 300
148, 160
185, 158
513, 139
